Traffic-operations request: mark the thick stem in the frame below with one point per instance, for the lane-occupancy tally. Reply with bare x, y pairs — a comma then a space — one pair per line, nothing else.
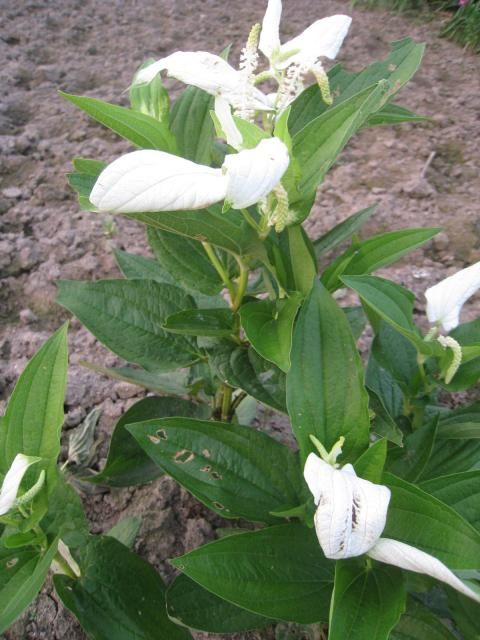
226, 400
242, 285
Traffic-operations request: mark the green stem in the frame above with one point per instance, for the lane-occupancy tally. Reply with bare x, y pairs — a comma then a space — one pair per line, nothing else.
226, 400
251, 220
242, 285
219, 268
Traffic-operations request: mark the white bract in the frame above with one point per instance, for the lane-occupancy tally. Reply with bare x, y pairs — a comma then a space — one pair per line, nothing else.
149, 180
322, 39
351, 515
446, 299
12, 481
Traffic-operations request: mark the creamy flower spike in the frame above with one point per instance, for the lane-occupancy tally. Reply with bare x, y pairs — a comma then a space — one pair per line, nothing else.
13, 480
446, 299
350, 518
149, 180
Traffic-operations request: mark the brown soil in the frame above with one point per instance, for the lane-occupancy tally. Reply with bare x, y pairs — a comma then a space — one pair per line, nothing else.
93, 47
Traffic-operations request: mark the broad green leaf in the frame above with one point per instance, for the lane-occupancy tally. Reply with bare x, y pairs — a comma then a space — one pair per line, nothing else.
65, 517
191, 606
144, 131
461, 491
201, 322
22, 574
398, 358
136, 267
374, 253
119, 595
235, 470
367, 602
34, 414
88, 166
192, 125
460, 424
279, 572
452, 456
392, 114
468, 374
356, 319
466, 614
127, 317
411, 461
224, 230
342, 231
370, 464
127, 463
152, 98
382, 383
400, 65
419, 623
126, 530
268, 326
317, 145
244, 368
417, 518
185, 260
175, 383
323, 354
251, 133
293, 256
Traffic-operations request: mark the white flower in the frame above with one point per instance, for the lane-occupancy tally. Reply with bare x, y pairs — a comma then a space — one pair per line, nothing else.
351, 516
149, 180
322, 39
12, 481
351, 512
446, 299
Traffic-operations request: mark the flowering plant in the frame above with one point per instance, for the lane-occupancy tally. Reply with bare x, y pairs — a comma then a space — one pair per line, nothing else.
370, 529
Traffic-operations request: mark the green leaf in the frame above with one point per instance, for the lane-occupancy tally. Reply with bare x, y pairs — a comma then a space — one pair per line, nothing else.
65, 517
466, 615
374, 253
152, 98
356, 319
342, 231
367, 602
175, 383
419, 623
460, 424
268, 326
452, 456
144, 131
302, 259
126, 530
185, 260
410, 463
400, 65
119, 595
244, 368
34, 414
127, 463
201, 322
227, 230
461, 491
192, 126
136, 267
323, 354
279, 572
127, 317
22, 574
191, 606
318, 144
392, 114
236, 471
417, 518
370, 464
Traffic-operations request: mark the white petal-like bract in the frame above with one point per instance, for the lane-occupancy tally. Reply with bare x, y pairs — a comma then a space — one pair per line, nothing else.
269, 35
223, 112
322, 39
253, 173
150, 180
12, 481
206, 71
351, 512
407, 557
446, 299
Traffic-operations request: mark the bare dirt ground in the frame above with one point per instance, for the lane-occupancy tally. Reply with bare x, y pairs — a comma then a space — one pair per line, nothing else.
93, 47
